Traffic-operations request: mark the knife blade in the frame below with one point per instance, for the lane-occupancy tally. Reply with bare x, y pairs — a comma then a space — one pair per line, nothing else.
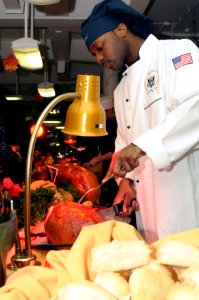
113, 213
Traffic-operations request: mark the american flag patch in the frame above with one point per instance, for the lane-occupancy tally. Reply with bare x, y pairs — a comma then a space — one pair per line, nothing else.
182, 60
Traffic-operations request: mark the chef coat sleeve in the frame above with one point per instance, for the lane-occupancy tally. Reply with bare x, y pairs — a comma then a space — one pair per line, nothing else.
121, 143
178, 135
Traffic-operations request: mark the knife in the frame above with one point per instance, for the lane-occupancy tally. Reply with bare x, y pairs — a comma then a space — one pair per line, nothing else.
112, 213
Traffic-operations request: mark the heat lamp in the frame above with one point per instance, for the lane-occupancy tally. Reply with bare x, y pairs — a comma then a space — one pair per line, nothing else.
85, 116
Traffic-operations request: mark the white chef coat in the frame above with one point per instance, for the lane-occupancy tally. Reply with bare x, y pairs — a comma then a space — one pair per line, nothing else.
157, 108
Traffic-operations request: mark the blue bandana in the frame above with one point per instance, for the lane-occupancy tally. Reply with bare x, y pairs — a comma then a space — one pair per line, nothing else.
108, 14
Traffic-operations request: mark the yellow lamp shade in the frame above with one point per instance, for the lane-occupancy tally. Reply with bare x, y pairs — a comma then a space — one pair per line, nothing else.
86, 116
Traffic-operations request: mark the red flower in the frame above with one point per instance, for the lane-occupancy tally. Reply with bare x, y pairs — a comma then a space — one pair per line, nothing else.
7, 184
10, 63
13, 189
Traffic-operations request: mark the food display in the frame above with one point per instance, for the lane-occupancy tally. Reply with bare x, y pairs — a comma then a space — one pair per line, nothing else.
65, 172
134, 270
115, 270
70, 182
111, 261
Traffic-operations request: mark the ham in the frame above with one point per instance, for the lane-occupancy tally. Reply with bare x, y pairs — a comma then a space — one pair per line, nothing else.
66, 219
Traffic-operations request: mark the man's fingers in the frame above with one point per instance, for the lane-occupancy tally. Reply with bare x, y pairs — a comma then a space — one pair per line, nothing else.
135, 205
107, 177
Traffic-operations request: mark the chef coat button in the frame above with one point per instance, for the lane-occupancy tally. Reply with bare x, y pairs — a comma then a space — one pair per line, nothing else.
128, 127
127, 100
137, 181
125, 74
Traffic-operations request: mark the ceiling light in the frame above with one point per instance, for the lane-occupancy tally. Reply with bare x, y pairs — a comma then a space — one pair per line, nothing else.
46, 89
27, 52
26, 49
52, 122
59, 127
14, 97
42, 2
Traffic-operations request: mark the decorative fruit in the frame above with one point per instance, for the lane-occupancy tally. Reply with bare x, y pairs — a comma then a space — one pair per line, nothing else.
88, 203
67, 196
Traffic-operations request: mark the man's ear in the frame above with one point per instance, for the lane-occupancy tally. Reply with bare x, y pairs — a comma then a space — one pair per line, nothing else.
121, 30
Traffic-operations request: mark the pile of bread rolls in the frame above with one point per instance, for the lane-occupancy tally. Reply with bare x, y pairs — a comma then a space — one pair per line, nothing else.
132, 270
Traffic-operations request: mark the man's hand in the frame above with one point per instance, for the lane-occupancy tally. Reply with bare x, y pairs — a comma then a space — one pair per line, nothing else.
93, 162
126, 193
124, 161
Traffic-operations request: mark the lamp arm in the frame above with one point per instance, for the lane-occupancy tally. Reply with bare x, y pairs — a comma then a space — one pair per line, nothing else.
27, 198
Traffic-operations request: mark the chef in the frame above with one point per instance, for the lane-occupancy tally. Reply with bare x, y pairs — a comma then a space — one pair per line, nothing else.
157, 110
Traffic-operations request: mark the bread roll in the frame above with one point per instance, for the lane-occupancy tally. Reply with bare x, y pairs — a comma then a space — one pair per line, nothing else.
119, 255
156, 266
190, 276
114, 283
149, 284
180, 291
84, 290
178, 253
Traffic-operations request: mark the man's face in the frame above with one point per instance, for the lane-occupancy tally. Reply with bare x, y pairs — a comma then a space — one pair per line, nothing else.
109, 51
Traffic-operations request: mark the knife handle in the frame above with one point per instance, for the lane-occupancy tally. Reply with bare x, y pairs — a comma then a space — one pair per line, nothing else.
118, 208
